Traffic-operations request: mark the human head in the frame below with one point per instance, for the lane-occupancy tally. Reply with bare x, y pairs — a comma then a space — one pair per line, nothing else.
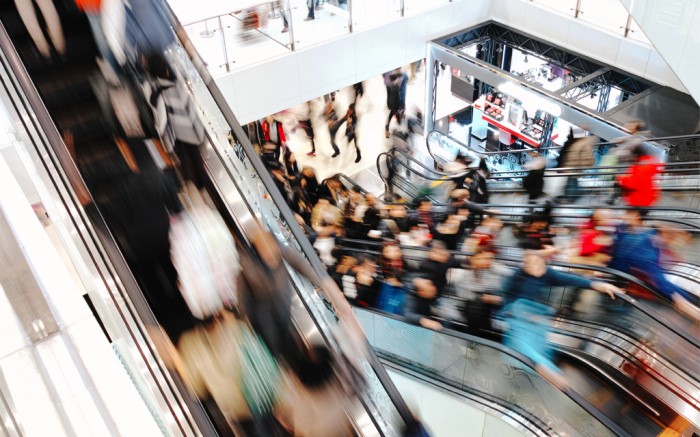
425, 288
634, 217
315, 367
534, 264
351, 108
425, 205
392, 252
482, 259
356, 193
438, 252
637, 153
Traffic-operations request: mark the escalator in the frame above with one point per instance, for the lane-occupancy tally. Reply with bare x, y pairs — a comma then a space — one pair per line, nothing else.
63, 96
625, 354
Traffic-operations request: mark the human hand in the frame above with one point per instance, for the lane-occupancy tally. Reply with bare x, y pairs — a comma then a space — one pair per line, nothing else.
608, 289
430, 324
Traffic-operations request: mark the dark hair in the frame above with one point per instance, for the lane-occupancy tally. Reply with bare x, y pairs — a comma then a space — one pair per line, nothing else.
641, 211
637, 152
158, 66
315, 367
356, 189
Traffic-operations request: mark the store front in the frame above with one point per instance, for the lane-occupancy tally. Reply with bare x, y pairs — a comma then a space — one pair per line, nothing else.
520, 93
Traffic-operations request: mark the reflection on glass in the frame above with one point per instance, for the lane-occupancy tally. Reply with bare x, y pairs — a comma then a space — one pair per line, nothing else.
478, 368
611, 16
241, 38
371, 13
315, 21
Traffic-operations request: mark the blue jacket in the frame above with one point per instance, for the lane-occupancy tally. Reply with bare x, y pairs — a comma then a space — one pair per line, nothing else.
523, 286
636, 252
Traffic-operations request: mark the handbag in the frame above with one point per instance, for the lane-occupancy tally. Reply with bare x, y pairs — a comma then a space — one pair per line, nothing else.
260, 373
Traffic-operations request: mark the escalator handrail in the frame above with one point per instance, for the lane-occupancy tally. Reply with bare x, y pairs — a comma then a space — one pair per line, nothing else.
553, 172
611, 272
607, 143
447, 178
91, 227
286, 213
569, 392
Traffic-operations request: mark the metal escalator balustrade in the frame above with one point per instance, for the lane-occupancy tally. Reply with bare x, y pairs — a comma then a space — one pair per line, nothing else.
109, 282
648, 336
503, 380
242, 166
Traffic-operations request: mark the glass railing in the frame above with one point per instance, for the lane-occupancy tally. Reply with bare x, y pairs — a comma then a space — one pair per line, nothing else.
487, 370
244, 167
657, 329
258, 31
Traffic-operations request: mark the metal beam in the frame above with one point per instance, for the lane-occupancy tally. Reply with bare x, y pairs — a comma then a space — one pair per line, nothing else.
583, 80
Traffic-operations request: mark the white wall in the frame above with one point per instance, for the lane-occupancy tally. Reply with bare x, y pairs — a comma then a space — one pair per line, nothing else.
308, 73
673, 26
565, 31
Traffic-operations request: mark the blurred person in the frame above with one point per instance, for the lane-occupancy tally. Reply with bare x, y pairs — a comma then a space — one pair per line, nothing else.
421, 305
313, 402
350, 121
308, 127
367, 283
485, 234
529, 318
284, 10
579, 155
594, 243
396, 96
622, 153
359, 90
396, 222
450, 231
309, 184
533, 182
424, 215
479, 283
636, 250
274, 137
533, 280
478, 189
331, 116
291, 166
311, 5
138, 208
435, 267
392, 294
639, 187
535, 234
374, 213
334, 190
27, 13
353, 213
325, 217
92, 10
176, 118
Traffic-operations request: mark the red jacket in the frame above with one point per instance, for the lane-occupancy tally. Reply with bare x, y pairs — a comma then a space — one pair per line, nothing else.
638, 185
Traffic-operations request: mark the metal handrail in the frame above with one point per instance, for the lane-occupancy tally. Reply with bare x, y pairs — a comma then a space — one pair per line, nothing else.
608, 271
605, 143
569, 392
286, 213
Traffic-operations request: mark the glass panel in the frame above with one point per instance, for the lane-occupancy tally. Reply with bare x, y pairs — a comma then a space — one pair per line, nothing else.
315, 21
609, 15
414, 7
372, 13
566, 7
480, 369
240, 38
260, 202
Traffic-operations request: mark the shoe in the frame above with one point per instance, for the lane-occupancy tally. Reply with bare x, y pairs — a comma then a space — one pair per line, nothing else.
336, 153
311, 154
285, 29
386, 134
359, 157
309, 18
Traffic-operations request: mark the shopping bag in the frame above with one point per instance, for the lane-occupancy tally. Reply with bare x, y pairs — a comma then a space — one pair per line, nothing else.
260, 373
205, 257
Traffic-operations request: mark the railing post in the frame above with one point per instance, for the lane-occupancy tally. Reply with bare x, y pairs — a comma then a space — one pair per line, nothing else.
403, 8
350, 17
223, 40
